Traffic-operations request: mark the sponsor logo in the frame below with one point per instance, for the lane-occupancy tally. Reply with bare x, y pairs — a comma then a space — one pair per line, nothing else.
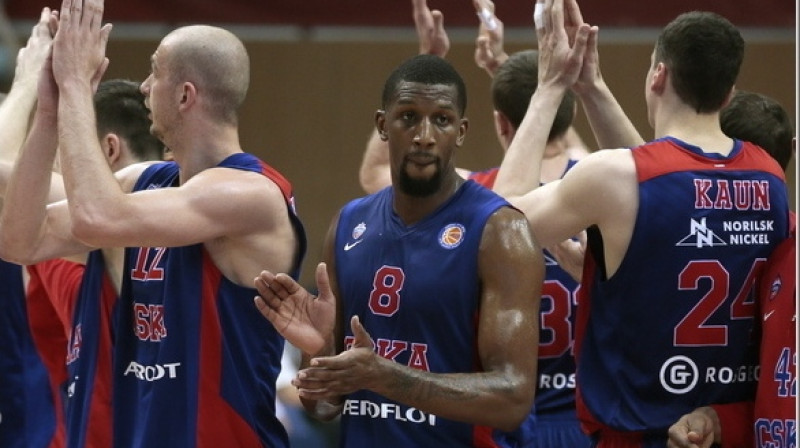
387, 411
349, 246
679, 374
700, 235
152, 373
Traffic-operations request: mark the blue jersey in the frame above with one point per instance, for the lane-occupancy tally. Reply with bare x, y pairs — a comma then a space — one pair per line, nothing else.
27, 409
390, 274
671, 330
194, 364
88, 393
556, 422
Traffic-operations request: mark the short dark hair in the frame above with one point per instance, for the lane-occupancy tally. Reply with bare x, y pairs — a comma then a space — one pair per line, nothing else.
119, 107
761, 120
426, 69
703, 52
513, 86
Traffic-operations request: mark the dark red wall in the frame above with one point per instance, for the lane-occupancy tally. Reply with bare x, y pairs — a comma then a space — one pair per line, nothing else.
761, 13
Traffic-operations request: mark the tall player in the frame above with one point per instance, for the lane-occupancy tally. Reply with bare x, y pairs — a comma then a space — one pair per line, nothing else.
693, 310
440, 271
760, 119
193, 365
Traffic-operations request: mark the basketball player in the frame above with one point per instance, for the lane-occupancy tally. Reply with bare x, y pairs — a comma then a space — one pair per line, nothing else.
636, 222
760, 119
193, 364
426, 317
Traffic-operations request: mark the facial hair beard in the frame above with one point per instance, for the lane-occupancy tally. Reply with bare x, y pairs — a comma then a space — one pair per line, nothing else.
419, 188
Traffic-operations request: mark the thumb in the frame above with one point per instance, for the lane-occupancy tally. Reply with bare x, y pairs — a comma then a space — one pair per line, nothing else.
362, 338
323, 281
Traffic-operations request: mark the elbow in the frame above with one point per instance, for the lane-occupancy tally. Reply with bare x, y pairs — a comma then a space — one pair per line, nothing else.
87, 229
518, 405
516, 414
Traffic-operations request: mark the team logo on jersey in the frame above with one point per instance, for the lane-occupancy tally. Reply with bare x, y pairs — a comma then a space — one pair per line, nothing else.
775, 288
359, 230
700, 236
451, 236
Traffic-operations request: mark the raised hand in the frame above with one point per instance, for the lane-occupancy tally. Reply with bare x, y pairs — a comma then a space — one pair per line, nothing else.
489, 52
560, 54
31, 57
430, 29
79, 46
305, 320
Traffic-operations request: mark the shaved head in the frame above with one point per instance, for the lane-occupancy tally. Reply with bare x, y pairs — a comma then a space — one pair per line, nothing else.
215, 61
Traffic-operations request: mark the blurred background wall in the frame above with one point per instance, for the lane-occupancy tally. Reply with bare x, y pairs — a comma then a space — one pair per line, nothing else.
318, 68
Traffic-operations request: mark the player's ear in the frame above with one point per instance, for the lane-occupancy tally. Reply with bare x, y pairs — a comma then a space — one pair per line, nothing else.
380, 124
112, 148
462, 132
188, 94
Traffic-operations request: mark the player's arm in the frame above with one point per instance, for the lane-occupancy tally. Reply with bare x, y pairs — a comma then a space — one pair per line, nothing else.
611, 127
511, 272
563, 208
18, 105
489, 52
30, 230
561, 51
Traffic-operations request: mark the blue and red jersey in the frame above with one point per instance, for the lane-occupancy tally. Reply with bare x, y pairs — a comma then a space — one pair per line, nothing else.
194, 365
672, 329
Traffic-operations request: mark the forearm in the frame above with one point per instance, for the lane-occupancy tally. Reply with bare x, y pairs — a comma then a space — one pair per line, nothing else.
374, 173
91, 187
520, 171
611, 127
463, 397
24, 211
15, 113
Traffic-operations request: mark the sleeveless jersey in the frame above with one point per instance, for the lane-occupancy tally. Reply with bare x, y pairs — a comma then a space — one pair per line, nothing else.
82, 295
416, 290
671, 330
776, 397
556, 423
30, 414
194, 364
88, 393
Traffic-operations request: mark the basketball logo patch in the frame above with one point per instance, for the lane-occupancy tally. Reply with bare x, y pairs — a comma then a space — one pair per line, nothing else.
359, 230
451, 236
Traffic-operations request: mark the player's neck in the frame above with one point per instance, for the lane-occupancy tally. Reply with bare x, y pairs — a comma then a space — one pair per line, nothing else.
412, 209
701, 130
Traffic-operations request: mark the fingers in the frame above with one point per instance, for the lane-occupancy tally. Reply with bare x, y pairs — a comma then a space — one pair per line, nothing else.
323, 281
438, 22
573, 12
420, 12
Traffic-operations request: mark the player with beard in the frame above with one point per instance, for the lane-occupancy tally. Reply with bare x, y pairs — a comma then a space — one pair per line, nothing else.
443, 274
